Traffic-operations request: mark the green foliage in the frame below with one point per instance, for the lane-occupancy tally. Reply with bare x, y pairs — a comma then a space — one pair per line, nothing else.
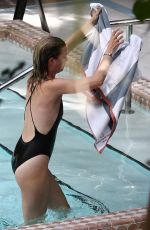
141, 9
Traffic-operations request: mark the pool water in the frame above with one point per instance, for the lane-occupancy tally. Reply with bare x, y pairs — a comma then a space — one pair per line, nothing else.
10, 64
103, 183
10, 200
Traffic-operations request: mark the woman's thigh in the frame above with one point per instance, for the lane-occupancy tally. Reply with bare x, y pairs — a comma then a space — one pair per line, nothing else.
33, 180
33, 170
56, 199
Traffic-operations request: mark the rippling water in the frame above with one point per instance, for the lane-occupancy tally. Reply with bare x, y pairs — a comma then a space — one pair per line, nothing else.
103, 183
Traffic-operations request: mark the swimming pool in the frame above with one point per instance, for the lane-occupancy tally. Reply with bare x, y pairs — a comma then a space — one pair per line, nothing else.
14, 61
113, 180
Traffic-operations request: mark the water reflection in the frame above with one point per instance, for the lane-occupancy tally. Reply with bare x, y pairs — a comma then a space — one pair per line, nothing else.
8, 73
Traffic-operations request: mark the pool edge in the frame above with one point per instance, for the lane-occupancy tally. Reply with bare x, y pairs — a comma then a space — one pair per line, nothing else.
123, 220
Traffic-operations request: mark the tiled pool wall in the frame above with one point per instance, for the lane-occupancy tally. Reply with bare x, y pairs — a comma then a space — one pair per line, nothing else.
27, 36
134, 219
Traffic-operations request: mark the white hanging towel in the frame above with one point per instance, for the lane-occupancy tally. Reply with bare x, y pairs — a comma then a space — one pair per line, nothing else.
103, 114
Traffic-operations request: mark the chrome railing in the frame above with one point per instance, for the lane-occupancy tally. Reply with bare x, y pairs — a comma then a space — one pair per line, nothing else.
129, 24
15, 79
125, 22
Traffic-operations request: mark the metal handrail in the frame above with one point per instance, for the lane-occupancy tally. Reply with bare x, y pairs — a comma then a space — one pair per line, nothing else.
129, 23
124, 22
17, 78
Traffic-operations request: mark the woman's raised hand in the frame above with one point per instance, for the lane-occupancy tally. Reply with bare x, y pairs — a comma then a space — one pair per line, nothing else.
95, 15
115, 40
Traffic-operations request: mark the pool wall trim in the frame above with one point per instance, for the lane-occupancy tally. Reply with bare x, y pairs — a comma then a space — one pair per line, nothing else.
134, 219
131, 158
6, 149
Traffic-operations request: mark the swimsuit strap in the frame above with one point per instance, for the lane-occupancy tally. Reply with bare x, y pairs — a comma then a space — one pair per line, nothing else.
31, 114
29, 100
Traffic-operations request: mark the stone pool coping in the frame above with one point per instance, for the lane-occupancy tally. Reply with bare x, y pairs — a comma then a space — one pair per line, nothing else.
21, 32
134, 219
141, 93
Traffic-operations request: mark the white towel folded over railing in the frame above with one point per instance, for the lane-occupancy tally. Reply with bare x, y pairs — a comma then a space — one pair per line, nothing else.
103, 114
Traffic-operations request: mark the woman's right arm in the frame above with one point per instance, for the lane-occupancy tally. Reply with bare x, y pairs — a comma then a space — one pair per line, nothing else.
65, 86
80, 35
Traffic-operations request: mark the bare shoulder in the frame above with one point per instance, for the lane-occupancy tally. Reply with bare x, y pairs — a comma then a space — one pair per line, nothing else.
54, 86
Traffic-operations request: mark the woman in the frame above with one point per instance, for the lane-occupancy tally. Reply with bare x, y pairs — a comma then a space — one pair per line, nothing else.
43, 113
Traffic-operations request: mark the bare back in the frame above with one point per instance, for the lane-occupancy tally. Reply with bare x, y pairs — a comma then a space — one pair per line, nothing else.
44, 110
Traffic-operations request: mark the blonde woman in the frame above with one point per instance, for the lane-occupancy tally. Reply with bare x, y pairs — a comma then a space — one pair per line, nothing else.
43, 112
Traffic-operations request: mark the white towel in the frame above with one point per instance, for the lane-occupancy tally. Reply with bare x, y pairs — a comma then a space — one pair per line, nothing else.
102, 116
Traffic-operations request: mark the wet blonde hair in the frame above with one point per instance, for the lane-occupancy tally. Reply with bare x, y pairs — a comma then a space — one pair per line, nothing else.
46, 48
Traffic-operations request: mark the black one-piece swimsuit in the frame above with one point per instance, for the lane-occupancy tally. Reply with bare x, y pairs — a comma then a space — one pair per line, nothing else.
40, 144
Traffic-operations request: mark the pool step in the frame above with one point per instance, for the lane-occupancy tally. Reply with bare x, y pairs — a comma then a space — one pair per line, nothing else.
21, 32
